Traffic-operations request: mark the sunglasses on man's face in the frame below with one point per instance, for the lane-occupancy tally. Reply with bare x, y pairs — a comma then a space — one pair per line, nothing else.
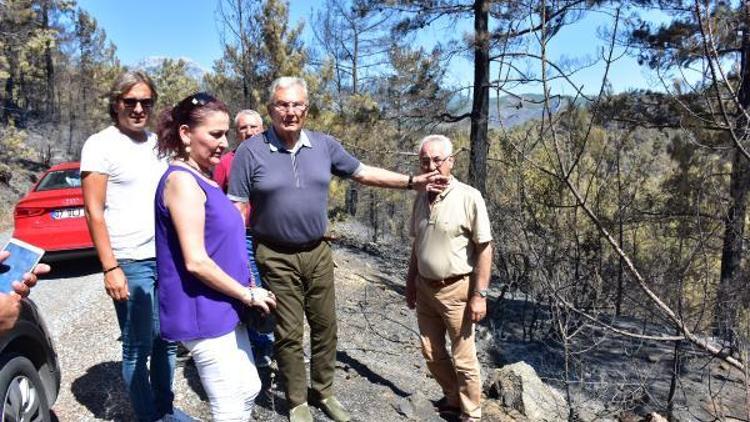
131, 103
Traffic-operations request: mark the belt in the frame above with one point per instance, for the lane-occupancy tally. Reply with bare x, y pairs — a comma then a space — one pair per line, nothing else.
285, 248
446, 281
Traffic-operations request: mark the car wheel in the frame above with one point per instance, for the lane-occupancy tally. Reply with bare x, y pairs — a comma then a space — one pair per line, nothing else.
22, 391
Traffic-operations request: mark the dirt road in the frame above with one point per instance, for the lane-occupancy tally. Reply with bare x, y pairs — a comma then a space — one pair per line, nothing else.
378, 365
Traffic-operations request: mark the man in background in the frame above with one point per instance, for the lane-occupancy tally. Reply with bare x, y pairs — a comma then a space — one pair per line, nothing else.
247, 123
449, 272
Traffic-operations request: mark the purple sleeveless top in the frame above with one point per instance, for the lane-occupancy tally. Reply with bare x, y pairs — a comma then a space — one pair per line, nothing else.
188, 308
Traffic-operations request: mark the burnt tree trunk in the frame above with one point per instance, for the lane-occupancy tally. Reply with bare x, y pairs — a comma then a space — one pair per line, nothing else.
481, 97
243, 57
352, 195
51, 104
731, 254
734, 220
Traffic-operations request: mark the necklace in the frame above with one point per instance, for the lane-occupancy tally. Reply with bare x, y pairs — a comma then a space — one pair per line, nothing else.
196, 168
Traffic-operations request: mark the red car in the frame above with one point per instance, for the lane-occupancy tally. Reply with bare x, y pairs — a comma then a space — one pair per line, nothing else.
51, 215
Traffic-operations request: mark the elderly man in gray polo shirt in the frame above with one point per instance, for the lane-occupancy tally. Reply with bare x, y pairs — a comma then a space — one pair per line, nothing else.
285, 173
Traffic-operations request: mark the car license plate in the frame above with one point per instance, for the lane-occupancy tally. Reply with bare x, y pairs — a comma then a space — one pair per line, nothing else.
67, 213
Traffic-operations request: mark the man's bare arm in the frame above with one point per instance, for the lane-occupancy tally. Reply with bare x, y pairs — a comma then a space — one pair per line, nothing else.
480, 280
94, 194
382, 178
241, 207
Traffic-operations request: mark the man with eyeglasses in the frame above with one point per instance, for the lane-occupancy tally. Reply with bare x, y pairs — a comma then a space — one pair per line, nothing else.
285, 173
120, 171
449, 272
247, 123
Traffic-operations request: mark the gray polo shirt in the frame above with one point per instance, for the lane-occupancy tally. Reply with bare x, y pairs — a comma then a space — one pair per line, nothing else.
288, 189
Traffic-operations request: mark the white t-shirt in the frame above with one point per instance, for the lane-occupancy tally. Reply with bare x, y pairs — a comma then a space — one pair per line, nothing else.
134, 170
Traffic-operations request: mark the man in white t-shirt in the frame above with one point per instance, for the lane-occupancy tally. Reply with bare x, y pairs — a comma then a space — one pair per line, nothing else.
120, 170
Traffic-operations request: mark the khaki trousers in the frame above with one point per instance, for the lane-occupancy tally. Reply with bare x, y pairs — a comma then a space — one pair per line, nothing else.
303, 284
442, 310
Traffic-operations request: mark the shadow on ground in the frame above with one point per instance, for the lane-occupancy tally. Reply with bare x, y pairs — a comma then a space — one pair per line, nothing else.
270, 405
71, 268
365, 372
190, 372
102, 391
610, 372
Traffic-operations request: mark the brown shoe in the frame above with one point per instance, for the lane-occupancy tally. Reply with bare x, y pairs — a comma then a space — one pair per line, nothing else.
443, 407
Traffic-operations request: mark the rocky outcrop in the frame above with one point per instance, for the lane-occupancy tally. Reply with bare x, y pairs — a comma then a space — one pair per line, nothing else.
417, 407
522, 396
493, 411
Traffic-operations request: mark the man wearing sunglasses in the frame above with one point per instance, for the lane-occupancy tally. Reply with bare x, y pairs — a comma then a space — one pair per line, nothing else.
285, 173
120, 170
449, 272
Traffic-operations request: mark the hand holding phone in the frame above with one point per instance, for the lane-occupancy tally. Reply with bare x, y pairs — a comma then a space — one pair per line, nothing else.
22, 259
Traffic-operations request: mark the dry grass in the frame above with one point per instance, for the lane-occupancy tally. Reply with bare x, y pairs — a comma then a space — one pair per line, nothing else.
6, 217
8, 200
11, 193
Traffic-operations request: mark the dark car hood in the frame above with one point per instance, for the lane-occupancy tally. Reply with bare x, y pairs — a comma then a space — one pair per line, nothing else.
30, 323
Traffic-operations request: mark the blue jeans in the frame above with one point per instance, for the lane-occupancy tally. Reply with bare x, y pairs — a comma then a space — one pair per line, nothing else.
149, 386
262, 343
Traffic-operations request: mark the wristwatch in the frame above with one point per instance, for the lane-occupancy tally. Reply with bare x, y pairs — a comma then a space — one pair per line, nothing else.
482, 292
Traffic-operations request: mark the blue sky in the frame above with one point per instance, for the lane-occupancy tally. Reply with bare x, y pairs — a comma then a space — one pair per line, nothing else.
188, 28
173, 28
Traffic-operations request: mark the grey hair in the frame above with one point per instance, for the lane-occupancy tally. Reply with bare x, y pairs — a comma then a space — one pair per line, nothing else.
123, 83
447, 144
247, 112
285, 82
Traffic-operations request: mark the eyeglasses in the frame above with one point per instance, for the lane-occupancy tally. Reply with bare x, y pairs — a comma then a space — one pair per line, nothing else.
425, 161
295, 107
132, 103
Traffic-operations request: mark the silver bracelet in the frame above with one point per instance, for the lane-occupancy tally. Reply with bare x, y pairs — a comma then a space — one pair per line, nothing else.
246, 293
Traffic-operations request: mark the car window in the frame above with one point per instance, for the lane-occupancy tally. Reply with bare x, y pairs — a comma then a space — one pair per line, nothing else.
63, 179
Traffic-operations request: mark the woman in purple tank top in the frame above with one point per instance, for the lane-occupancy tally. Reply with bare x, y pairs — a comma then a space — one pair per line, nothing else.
201, 258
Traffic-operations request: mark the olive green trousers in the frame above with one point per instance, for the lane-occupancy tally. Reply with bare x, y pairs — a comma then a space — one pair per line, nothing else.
302, 281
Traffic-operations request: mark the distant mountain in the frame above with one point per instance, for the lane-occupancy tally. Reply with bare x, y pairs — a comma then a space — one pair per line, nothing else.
511, 110
514, 111
152, 63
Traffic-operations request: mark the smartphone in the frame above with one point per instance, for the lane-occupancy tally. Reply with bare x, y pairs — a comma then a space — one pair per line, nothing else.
23, 258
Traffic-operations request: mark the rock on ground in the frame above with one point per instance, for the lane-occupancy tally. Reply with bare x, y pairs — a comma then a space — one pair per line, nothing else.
518, 387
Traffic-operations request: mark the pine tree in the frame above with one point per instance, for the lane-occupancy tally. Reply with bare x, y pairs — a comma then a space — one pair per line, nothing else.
261, 48
703, 36
173, 82
515, 26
